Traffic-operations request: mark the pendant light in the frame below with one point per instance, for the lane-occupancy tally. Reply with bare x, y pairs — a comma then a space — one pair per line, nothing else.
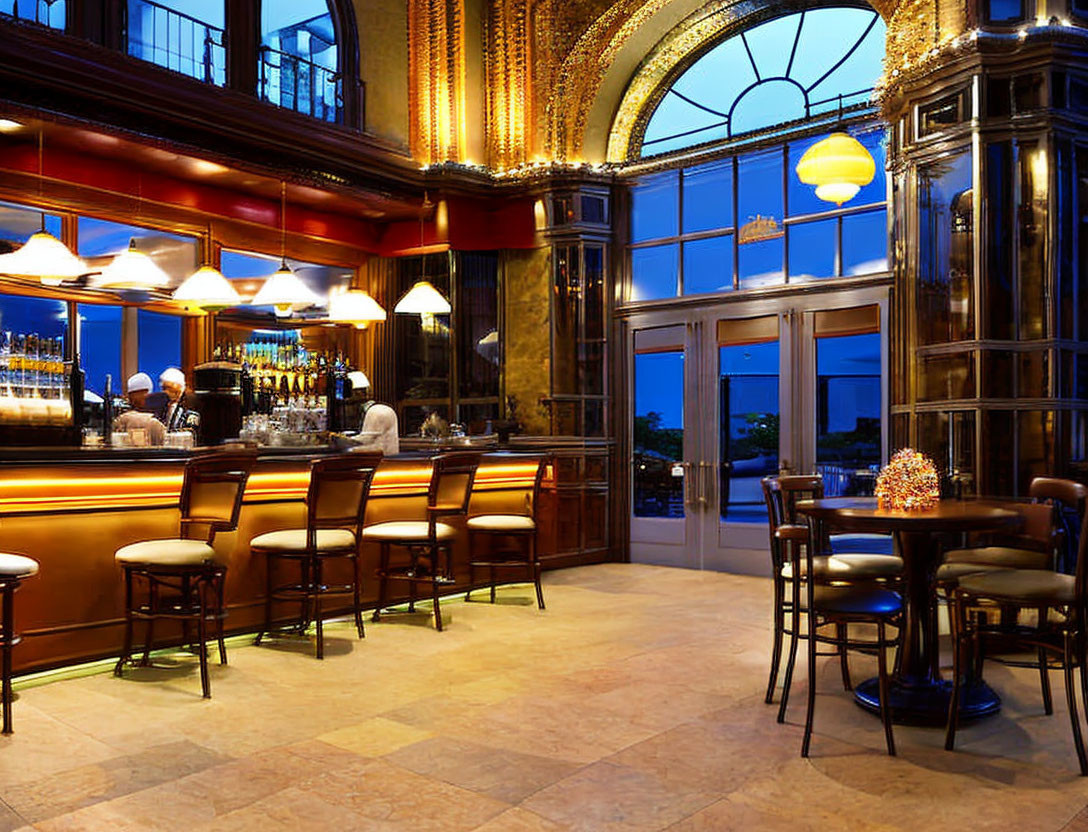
839, 166
43, 256
284, 290
423, 298
206, 288
132, 269
354, 306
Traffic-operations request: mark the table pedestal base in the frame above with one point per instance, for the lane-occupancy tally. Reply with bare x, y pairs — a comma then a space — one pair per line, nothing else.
927, 704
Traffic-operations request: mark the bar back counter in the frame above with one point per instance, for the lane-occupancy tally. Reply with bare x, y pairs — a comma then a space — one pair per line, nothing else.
71, 509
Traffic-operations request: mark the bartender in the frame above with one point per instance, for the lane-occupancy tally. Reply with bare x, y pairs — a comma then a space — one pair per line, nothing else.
379, 430
136, 390
176, 409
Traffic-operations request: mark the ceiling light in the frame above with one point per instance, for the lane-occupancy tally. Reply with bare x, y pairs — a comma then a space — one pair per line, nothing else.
354, 307
45, 257
7, 125
839, 166
423, 299
207, 289
132, 269
285, 291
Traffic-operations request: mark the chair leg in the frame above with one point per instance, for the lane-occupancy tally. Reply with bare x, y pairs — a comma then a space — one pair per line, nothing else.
201, 626
218, 581
356, 595
153, 605
411, 596
491, 575
776, 646
315, 572
269, 563
958, 670
1044, 676
126, 650
1071, 699
807, 740
382, 582
9, 637
471, 578
186, 624
787, 679
535, 566
882, 670
437, 608
844, 662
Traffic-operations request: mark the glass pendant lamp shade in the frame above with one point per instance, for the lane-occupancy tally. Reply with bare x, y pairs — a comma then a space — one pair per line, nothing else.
285, 291
354, 307
422, 299
208, 289
839, 166
45, 257
132, 269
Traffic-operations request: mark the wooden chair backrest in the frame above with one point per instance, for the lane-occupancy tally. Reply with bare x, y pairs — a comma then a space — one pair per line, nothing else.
337, 496
212, 490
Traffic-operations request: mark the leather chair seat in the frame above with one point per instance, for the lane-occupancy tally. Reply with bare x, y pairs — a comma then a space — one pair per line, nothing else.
408, 530
1031, 587
173, 551
501, 523
1003, 556
950, 573
860, 600
850, 567
294, 540
17, 566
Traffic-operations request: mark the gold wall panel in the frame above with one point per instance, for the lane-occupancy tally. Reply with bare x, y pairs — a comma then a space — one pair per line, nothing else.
528, 336
436, 72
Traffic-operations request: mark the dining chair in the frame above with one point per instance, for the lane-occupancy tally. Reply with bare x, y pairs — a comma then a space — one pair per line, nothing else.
1059, 629
788, 537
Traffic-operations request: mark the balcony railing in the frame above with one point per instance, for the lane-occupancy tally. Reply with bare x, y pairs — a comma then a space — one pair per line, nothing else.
177, 41
51, 13
301, 85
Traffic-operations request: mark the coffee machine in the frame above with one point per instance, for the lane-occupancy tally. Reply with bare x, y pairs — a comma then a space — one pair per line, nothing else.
218, 387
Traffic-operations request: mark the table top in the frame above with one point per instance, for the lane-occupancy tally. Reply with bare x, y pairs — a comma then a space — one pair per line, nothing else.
862, 514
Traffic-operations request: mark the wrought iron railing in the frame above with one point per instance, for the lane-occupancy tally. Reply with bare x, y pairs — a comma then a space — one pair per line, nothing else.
301, 85
51, 13
177, 41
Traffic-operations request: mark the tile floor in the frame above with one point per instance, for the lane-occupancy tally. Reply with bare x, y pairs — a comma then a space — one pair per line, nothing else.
634, 702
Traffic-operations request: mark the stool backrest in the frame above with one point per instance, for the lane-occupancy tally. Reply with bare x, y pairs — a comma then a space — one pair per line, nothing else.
1069, 499
451, 482
211, 492
781, 494
538, 478
339, 487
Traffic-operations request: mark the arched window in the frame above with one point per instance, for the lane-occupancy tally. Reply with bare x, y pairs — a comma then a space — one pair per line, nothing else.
51, 13
300, 59
187, 36
792, 67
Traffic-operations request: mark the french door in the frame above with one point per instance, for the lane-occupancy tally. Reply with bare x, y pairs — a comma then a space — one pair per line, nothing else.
722, 396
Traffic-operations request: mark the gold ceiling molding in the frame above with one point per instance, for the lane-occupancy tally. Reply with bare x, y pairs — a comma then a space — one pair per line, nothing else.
436, 73
508, 72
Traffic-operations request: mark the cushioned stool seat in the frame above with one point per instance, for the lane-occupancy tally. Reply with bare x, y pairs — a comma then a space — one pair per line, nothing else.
1003, 556
294, 540
850, 567
174, 551
949, 573
408, 530
501, 523
17, 566
1031, 586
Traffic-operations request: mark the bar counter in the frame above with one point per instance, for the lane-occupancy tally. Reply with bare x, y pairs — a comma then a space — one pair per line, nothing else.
71, 509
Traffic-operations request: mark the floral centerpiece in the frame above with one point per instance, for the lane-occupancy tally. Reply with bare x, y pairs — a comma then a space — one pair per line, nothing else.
908, 482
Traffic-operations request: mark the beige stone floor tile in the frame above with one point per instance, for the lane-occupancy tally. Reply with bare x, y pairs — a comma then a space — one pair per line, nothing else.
505, 775
291, 809
375, 737
521, 820
607, 796
43, 746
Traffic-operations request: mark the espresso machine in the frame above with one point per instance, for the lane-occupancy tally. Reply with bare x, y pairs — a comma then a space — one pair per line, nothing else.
218, 387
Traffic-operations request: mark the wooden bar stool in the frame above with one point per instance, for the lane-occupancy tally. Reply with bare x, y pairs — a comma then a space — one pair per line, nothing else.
429, 542
184, 575
14, 569
516, 527
335, 508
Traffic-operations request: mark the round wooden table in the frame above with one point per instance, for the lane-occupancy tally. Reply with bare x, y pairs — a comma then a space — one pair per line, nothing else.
918, 694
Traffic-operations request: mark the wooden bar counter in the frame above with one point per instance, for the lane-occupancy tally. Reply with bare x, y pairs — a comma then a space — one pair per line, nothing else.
71, 509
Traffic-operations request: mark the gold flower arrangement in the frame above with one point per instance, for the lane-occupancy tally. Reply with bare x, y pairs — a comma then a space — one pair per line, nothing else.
908, 482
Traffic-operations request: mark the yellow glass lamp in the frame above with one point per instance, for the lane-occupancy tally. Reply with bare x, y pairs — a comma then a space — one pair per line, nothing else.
132, 269
207, 289
45, 257
354, 306
286, 292
422, 299
839, 166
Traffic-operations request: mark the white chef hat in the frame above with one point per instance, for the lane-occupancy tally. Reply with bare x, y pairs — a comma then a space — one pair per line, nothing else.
172, 375
138, 381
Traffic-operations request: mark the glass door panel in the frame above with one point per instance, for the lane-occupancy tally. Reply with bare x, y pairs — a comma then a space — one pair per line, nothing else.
658, 436
848, 413
748, 383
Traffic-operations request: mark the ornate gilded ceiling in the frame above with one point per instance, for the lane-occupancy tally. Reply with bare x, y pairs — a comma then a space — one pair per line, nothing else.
567, 79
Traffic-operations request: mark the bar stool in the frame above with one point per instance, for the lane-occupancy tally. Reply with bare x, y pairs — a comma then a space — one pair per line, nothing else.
187, 567
520, 527
13, 570
427, 540
335, 508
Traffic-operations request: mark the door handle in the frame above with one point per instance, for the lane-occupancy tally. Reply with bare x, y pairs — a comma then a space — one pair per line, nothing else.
688, 485
705, 487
